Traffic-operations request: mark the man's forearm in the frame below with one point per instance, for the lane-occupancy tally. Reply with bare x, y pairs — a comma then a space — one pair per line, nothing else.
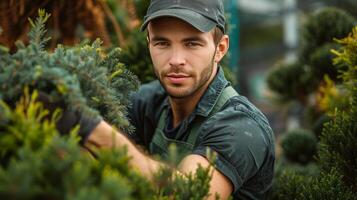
104, 136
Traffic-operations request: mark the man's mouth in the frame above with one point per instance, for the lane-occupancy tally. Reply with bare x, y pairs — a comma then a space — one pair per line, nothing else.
177, 78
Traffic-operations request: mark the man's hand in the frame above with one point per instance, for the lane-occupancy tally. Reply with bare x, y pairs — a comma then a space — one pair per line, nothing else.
69, 118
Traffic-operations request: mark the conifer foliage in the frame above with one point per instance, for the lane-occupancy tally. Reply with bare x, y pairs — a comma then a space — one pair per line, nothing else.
84, 76
36, 162
39, 164
338, 149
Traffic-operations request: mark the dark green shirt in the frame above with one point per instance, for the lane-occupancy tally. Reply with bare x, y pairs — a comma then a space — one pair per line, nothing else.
239, 133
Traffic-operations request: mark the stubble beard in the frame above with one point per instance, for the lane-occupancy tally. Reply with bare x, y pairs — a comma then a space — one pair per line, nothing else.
196, 86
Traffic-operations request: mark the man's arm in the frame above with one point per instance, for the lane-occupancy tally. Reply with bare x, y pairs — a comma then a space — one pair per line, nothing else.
104, 136
219, 184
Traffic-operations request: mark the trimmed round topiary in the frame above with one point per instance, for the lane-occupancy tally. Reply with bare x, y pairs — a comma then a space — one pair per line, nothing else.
299, 146
291, 81
323, 27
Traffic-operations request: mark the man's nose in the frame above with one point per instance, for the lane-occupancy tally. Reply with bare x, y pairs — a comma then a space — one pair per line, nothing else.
177, 57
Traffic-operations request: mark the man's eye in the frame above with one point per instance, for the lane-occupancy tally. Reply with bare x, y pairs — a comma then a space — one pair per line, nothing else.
162, 44
192, 44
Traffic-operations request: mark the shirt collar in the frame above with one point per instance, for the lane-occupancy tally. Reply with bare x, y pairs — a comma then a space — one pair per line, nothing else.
210, 97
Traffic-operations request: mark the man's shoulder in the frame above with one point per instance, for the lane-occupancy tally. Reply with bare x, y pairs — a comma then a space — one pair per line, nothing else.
239, 112
240, 123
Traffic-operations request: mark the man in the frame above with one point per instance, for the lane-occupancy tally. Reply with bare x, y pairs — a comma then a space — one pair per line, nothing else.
193, 106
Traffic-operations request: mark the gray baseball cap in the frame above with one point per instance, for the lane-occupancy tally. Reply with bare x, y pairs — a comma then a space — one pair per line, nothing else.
204, 15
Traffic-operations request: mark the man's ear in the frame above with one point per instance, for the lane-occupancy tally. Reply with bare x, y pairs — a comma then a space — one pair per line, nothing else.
222, 48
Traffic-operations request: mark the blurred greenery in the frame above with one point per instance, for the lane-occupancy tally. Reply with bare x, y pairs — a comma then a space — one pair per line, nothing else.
263, 35
315, 59
293, 186
299, 145
136, 56
291, 81
319, 33
332, 63
347, 5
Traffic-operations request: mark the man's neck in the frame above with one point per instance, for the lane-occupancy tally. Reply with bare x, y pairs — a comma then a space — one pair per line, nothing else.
183, 107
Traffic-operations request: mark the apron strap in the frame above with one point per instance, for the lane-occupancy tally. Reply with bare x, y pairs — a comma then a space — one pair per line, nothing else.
227, 93
161, 123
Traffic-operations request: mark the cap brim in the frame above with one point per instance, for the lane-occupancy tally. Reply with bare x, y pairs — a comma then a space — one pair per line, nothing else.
197, 20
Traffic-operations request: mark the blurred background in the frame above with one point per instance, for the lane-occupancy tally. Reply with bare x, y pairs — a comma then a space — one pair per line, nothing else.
270, 32
281, 58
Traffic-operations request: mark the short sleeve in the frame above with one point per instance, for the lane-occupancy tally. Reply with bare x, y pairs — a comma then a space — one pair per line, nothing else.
241, 144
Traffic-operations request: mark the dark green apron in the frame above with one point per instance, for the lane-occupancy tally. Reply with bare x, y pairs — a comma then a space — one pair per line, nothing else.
160, 144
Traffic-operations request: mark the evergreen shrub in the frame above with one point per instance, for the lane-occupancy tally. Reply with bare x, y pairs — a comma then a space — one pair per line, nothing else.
318, 38
328, 186
85, 77
338, 146
291, 81
322, 27
299, 145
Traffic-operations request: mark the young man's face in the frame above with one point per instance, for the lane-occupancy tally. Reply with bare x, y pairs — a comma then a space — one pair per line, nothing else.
183, 57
